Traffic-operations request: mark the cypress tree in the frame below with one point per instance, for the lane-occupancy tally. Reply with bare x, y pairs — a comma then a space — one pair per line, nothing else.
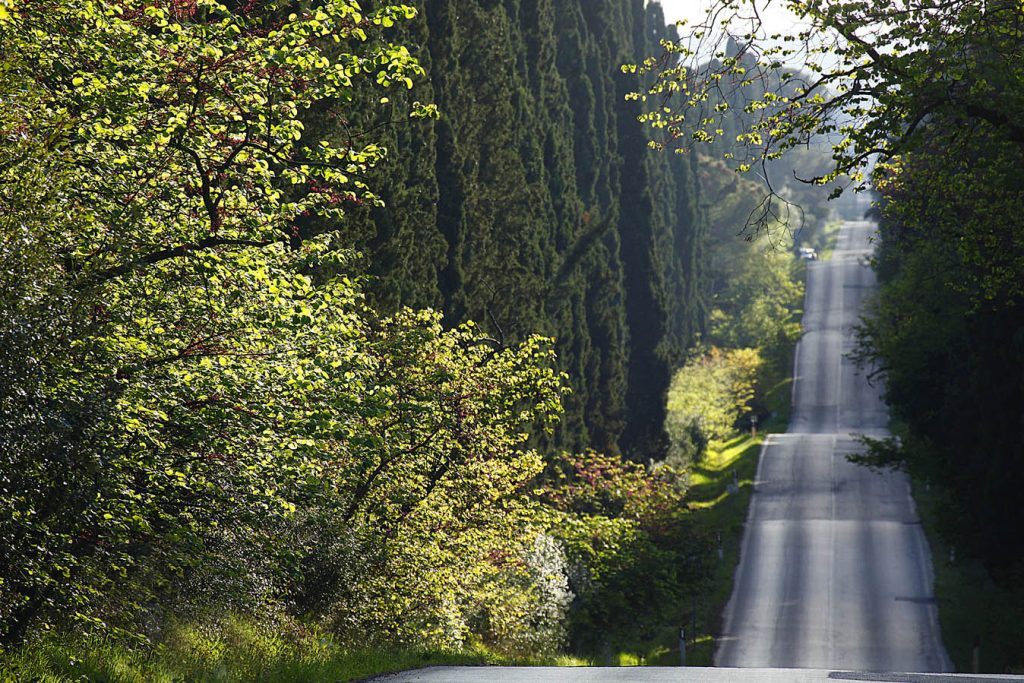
535, 205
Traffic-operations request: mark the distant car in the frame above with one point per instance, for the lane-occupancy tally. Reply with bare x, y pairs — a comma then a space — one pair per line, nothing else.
808, 254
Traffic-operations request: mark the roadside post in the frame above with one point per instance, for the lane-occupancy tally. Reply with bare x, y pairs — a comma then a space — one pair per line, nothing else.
682, 647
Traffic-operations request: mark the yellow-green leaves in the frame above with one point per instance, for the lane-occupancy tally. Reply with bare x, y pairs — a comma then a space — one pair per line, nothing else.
242, 141
196, 378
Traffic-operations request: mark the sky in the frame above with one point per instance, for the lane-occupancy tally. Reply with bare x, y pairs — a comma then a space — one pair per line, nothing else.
775, 16
773, 12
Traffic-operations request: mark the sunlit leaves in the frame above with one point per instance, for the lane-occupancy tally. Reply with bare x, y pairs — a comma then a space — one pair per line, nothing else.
216, 105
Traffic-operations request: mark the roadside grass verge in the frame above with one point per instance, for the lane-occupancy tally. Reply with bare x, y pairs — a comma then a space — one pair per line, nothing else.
716, 504
237, 650
778, 398
971, 605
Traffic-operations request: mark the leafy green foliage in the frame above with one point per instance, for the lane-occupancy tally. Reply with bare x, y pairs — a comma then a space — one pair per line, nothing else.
707, 398
946, 333
754, 295
753, 285
633, 554
190, 384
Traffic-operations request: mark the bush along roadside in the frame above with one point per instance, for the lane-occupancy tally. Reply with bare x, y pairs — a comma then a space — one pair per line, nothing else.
652, 548
979, 617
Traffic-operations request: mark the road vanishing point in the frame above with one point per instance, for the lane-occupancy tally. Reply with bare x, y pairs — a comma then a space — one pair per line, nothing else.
835, 576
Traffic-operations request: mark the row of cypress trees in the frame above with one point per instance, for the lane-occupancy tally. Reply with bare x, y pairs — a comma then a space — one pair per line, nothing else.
535, 205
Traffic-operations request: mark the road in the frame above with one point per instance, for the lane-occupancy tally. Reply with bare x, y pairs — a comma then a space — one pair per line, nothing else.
666, 674
834, 570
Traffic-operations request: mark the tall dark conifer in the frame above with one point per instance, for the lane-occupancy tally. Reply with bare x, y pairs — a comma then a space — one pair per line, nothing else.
535, 205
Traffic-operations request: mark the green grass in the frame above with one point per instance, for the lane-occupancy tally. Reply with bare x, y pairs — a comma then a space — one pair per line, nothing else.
970, 604
715, 507
778, 400
235, 651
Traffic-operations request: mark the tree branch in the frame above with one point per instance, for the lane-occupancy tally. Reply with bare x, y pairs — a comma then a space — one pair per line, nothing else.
171, 253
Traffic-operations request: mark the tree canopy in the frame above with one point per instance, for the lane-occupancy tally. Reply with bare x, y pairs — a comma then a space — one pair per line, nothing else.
868, 77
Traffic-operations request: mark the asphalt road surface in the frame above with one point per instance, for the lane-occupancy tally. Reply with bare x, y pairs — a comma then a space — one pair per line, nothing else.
835, 570
638, 674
